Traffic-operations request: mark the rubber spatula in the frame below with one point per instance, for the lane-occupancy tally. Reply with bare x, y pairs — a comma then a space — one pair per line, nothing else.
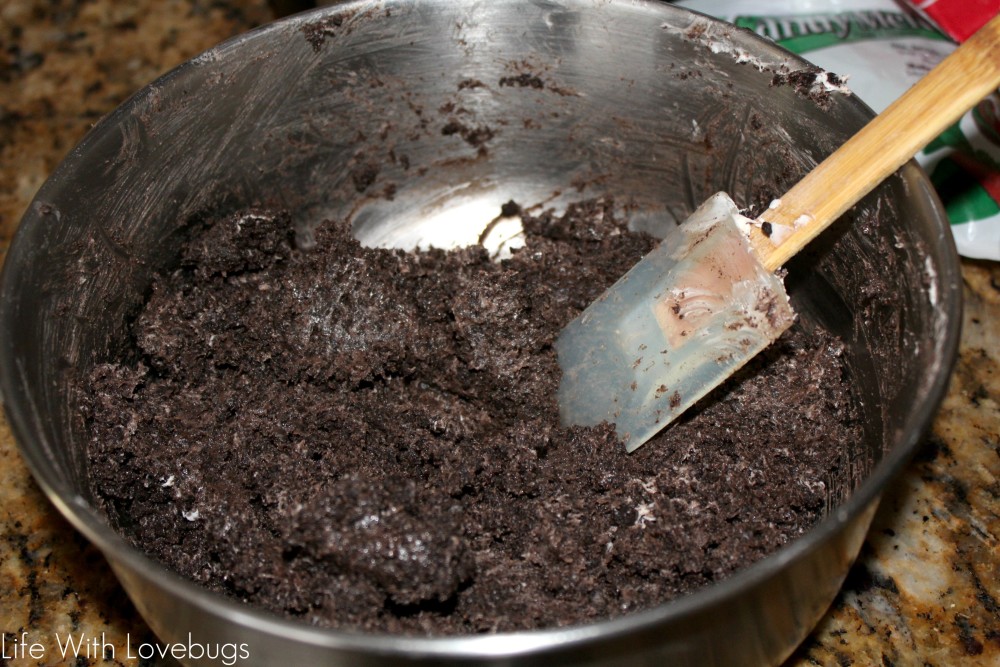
706, 300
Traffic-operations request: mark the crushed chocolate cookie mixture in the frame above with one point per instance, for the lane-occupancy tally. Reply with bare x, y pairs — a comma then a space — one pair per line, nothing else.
369, 438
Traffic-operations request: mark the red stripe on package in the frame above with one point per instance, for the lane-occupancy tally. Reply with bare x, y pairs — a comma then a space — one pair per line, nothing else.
958, 18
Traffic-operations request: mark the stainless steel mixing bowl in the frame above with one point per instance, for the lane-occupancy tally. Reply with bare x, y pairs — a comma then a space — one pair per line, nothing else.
417, 119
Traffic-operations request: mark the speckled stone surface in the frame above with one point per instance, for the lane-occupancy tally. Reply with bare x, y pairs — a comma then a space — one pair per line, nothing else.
926, 590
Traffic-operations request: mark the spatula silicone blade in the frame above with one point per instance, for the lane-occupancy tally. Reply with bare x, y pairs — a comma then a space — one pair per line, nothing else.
706, 300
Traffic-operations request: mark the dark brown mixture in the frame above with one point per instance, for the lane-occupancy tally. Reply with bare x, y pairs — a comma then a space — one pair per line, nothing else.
369, 438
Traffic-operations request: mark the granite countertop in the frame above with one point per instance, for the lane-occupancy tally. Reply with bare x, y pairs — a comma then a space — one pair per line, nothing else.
925, 591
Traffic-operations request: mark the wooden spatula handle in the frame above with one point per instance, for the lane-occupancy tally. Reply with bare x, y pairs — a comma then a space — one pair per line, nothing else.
966, 76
